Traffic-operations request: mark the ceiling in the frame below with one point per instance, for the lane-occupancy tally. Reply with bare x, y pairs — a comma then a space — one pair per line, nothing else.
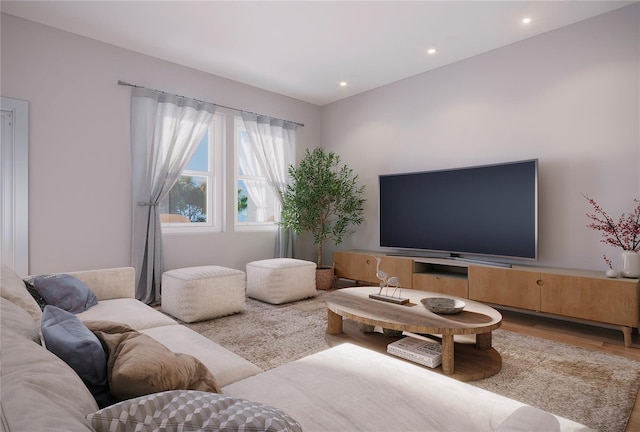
304, 49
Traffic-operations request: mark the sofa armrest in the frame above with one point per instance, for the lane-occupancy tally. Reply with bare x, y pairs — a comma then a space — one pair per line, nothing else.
110, 283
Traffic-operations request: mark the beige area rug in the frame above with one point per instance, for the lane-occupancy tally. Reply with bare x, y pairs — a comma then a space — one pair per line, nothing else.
271, 335
589, 387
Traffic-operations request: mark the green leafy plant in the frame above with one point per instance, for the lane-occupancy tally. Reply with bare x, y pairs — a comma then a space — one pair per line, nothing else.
243, 201
323, 198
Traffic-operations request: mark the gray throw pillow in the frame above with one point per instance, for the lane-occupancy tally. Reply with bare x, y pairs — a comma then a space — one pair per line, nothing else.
28, 281
70, 339
65, 292
190, 410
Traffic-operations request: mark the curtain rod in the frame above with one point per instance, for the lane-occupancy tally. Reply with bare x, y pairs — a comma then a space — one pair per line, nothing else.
124, 83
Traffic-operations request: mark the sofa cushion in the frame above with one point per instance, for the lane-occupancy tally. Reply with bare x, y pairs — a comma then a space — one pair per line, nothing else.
138, 365
527, 419
129, 311
226, 366
70, 339
12, 288
65, 292
39, 391
413, 398
17, 321
109, 283
191, 411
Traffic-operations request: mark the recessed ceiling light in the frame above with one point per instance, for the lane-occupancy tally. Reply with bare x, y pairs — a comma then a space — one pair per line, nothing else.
343, 84
526, 20
432, 51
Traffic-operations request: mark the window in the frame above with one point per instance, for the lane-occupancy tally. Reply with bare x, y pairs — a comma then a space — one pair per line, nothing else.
195, 201
256, 203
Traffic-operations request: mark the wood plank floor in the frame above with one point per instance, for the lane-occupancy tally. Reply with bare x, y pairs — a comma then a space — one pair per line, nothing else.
580, 335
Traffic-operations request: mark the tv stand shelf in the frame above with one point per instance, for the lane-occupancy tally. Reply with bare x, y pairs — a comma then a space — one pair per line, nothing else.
441, 275
561, 293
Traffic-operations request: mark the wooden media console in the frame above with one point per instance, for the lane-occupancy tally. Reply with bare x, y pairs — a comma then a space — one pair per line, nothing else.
578, 295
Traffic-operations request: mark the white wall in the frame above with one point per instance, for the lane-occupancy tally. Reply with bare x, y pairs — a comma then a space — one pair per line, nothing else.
80, 181
569, 98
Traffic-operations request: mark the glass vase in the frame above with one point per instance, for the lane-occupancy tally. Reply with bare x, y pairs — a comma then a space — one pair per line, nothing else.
630, 264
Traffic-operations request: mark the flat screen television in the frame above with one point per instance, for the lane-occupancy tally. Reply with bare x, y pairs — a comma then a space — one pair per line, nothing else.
481, 211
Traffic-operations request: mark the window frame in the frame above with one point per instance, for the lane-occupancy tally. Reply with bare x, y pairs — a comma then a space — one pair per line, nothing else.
215, 184
247, 226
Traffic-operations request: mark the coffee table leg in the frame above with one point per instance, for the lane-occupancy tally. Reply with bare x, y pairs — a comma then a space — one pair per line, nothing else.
483, 341
334, 322
447, 354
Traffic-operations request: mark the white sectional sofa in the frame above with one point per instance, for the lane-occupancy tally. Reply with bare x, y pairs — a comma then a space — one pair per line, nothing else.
117, 303
346, 388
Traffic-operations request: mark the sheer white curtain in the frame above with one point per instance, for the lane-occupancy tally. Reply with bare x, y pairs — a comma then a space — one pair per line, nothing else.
273, 142
165, 132
251, 167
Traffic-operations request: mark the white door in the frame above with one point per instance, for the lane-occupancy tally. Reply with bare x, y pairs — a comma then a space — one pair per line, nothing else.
14, 184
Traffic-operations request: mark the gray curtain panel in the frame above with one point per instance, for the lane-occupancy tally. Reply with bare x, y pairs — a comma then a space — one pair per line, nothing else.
273, 143
165, 132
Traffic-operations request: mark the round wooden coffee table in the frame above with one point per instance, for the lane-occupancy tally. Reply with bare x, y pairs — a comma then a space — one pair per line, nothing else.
475, 319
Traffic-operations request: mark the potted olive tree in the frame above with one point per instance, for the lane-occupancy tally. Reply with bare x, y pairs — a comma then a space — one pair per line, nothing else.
325, 199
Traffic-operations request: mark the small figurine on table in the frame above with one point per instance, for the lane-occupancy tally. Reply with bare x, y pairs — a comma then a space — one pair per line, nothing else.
385, 283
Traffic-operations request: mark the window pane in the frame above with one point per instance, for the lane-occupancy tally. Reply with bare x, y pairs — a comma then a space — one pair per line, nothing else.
187, 200
257, 203
248, 161
243, 202
258, 207
195, 202
200, 159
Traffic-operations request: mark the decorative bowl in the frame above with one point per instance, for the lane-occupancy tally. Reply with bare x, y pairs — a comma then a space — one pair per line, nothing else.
443, 305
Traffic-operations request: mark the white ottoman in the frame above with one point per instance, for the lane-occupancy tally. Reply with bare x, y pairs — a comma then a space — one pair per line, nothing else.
201, 293
281, 280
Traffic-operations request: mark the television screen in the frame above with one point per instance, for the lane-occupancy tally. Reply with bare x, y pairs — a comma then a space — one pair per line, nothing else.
483, 210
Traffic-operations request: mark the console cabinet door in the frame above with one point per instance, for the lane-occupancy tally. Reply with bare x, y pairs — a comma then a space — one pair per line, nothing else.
362, 267
350, 265
612, 301
397, 266
355, 266
507, 287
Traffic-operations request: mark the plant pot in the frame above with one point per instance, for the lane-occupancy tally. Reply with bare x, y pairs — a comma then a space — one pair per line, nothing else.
630, 264
324, 278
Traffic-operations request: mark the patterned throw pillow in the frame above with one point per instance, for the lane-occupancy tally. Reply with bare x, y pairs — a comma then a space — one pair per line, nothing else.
28, 282
190, 410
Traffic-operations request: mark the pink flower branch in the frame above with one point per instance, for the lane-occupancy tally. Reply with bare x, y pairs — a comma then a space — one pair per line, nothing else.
625, 233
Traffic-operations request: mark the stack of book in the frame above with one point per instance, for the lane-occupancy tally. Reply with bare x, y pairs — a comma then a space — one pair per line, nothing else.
422, 351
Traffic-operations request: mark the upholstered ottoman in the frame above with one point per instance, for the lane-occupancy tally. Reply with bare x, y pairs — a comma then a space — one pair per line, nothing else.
201, 293
281, 280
